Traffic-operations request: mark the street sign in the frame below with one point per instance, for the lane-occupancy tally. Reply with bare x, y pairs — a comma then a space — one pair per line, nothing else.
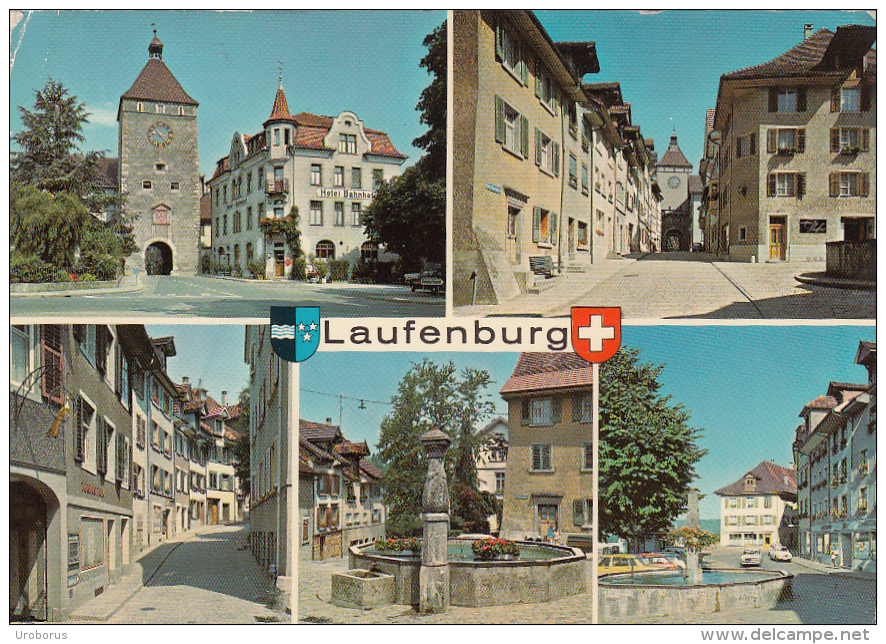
596, 332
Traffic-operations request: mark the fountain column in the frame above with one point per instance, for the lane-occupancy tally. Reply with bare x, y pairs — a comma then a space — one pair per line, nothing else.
693, 573
433, 577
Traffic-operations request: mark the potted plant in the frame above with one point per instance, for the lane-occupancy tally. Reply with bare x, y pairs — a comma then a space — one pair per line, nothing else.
490, 548
406, 547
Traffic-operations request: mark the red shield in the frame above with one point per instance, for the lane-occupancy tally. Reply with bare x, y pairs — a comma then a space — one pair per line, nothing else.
596, 332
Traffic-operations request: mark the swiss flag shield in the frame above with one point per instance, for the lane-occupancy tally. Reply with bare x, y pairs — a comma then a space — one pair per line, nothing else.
596, 332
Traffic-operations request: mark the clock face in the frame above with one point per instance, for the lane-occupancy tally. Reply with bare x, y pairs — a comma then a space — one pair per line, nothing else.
160, 134
673, 182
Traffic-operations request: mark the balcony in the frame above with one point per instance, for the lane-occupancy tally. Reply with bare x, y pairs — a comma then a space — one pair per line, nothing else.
276, 187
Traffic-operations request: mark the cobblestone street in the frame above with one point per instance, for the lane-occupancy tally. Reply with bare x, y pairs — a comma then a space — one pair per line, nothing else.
210, 578
820, 597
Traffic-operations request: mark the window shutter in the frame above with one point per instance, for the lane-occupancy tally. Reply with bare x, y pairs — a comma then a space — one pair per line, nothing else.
536, 457
78, 429
864, 183
865, 139
801, 140
770, 190
753, 144
499, 55
801, 99
118, 370
773, 99
99, 440
537, 147
834, 184
524, 67
553, 218
771, 141
546, 460
801, 184
536, 224
835, 99
52, 363
556, 405
538, 78
524, 137
101, 348
578, 514
835, 139
865, 98
499, 120
556, 151
555, 103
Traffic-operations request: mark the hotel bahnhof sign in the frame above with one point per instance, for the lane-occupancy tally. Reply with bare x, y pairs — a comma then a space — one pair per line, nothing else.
345, 193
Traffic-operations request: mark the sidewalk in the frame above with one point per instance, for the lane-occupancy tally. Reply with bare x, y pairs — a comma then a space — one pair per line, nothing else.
101, 608
126, 284
828, 570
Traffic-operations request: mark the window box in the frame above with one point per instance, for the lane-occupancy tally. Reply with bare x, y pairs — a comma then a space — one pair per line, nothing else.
785, 152
850, 150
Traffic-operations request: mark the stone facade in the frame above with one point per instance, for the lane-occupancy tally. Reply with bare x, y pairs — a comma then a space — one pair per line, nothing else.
159, 170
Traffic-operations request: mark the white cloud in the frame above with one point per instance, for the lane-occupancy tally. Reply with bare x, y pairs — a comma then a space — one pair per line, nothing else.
105, 116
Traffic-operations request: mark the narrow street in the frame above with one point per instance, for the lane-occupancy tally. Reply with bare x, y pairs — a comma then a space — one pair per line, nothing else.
210, 578
202, 296
691, 285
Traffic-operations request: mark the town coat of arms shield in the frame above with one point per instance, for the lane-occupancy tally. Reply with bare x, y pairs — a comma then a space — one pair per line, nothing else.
596, 332
295, 331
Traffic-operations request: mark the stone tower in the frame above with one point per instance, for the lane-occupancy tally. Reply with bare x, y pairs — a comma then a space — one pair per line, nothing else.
673, 176
159, 169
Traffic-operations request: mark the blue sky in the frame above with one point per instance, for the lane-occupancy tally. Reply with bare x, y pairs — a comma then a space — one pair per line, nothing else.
669, 63
743, 385
366, 62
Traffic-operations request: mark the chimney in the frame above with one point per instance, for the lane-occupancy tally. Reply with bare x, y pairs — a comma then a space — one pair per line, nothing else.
224, 400
807, 30
328, 421
184, 380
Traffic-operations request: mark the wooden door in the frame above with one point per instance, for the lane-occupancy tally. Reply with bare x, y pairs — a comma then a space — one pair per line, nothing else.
27, 554
214, 514
547, 519
777, 244
513, 235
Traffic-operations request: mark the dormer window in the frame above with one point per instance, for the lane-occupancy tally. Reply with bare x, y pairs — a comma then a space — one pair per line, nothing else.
286, 136
161, 109
140, 107
750, 483
347, 143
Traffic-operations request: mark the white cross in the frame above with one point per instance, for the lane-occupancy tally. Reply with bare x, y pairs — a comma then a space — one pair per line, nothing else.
596, 333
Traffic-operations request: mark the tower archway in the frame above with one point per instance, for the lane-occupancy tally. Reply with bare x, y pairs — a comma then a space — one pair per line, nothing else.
158, 259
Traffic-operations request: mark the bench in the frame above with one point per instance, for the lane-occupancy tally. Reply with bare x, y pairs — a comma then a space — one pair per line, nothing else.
542, 265
584, 542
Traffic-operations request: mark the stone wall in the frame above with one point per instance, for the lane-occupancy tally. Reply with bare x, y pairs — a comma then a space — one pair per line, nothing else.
854, 259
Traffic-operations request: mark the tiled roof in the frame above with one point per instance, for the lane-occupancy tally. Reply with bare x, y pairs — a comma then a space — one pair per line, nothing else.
695, 185
164, 345
815, 55
382, 145
304, 467
206, 208
771, 479
156, 83
346, 448
541, 371
280, 109
673, 156
822, 402
310, 137
370, 469
315, 451
317, 431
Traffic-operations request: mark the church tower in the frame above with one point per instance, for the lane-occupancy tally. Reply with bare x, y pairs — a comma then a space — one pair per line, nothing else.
159, 169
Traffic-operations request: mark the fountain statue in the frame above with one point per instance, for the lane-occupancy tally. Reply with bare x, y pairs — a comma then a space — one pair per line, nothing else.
433, 577
693, 573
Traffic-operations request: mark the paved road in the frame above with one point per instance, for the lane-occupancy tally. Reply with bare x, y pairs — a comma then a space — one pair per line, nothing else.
692, 285
209, 579
200, 296
819, 598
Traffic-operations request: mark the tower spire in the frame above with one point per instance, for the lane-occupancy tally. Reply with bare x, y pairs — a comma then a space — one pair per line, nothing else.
155, 49
280, 66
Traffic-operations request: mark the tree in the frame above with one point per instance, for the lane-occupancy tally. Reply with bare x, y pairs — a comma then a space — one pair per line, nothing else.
432, 106
241, 462
648, 450
408, 213
48, 226
49, 157
431, 395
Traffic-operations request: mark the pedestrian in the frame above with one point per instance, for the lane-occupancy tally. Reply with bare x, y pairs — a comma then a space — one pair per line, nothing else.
834, 558
557, 537
550, 534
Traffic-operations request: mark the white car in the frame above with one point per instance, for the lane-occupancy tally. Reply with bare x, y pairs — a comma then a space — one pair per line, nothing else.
780, 553
751, 557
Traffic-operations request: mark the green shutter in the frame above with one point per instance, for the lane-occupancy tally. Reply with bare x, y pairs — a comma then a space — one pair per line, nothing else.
499, 120
524, 67
555, 147
801, 140
498, 44
524, 136
538, 78
536, 224
553, 217
801, 99
537, 147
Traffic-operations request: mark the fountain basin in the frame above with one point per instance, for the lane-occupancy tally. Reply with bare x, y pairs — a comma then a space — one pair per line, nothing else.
543, 573
359, 588
653, 594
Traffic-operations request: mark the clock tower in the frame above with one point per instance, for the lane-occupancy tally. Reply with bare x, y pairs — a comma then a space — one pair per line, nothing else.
159, 169
673, 172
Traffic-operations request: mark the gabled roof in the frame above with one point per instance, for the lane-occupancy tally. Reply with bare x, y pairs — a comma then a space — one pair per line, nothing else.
824, 403
673, 156
165, 345
843, 391
817, 55
371, 470
318, 431
770, 479
156, 83
313, 450
544, 371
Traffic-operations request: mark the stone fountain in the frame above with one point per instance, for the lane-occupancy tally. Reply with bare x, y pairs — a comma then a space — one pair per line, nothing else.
433, 577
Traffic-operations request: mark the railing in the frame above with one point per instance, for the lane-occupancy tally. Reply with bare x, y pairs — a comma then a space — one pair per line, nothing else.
276, 186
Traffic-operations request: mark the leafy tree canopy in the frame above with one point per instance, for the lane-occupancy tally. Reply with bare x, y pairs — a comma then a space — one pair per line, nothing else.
648, 449
432, 106
431, 395
45, 225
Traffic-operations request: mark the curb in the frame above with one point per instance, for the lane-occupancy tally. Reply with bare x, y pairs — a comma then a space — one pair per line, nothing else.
822, 279
137, 287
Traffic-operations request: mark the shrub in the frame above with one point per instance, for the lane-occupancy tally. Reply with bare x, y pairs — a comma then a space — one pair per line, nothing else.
362, 272
257, 270
103, 268
61, 275
30, 270
338, 270
322, 269
393, 544
298, 269
87, 277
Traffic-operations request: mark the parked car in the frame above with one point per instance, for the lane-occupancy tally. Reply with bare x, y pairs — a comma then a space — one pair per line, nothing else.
780, 553
426, 280
663, 561
623, 563
751, 557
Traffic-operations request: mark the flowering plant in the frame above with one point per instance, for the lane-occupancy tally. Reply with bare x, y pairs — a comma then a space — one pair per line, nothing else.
491, 548
693, 539
393, 544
